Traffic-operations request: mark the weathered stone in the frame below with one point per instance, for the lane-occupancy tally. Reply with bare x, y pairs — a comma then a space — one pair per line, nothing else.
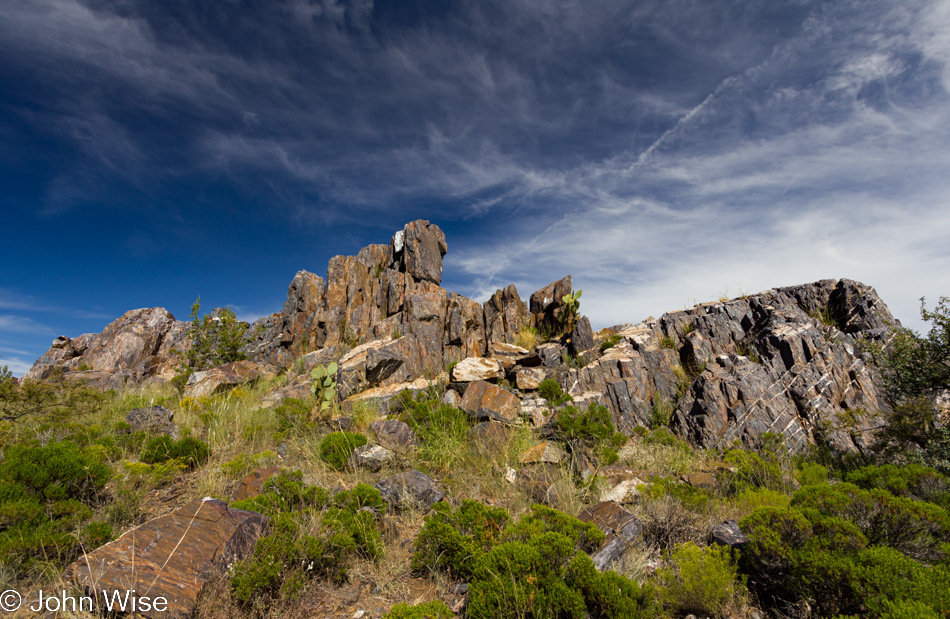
130, 345
505, 315
476, 368
252, 485
537, 411
544, 452
544, 302
486, 401
417, 250
154, 419
464, 329
222, 378
620, 526
503, 351
538, 482
528, 379
172, 556
729, 534
409, 489
550, 354
386, 399
701, 479
451, 398
490, 436
370, 457
583, 466
582, 336
620, 483
394, 434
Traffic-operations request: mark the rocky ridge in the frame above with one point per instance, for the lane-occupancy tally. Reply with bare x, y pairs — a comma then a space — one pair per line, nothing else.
786, 360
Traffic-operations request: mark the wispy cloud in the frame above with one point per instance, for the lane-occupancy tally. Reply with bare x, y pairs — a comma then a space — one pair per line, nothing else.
21, 324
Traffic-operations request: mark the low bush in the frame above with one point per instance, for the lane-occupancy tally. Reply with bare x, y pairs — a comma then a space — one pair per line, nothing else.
436, 609
312, 536
336, 447
46, 494
702, 581
533, 567
769, 467
590, 427
551, 391
189, 450
911, 481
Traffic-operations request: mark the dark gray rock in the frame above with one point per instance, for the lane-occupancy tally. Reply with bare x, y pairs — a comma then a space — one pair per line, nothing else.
370, 457
729, 534
394, 434
620, 526
410, 489
154, 419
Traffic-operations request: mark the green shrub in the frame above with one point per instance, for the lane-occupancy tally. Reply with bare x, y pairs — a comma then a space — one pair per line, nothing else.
293, 418
45, 497
551, 391
810, 474
590, 427
610, 342
189, 450
911, 481
436, 609
292, 552
336, 447
698, 580
765, 468
918, 529
215, 340
534, 567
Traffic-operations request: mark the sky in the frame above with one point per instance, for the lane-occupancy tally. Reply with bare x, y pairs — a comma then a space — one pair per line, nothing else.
664, 153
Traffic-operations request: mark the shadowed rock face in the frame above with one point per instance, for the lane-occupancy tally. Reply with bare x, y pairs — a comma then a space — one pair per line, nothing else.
172, 556
786, 360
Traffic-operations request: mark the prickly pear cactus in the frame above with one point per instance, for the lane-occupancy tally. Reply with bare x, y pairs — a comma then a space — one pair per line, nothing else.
323, 385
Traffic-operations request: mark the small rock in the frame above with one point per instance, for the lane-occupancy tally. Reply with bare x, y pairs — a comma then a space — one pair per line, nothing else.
252, 485
222, 378
489, 436
410, 488
371, 457
451, 398
620, 526
508, 352
511, 475
729, 534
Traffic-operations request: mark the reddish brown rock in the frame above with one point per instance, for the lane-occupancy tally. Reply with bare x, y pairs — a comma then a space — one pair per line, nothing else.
417, 250
544, 452
252, 485
476, 368
485, 401
172, 556
505, 315
620, 526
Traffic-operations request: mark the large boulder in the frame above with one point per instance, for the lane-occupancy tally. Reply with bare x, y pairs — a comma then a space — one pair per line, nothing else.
153, 419
173, 556
476, 368
485, 401
222, 378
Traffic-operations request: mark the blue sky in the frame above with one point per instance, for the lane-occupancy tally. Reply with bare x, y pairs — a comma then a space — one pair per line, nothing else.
662, 152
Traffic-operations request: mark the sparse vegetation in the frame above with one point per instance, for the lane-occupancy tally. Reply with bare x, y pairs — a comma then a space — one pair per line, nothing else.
215, 340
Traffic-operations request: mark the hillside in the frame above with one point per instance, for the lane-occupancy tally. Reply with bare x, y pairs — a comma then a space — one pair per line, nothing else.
383, 441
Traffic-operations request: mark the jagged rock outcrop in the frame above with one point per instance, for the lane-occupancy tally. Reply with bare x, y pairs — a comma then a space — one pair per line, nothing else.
735, 370
140, 344
785, 360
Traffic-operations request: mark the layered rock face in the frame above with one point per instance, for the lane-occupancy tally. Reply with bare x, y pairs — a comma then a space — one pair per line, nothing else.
786, 360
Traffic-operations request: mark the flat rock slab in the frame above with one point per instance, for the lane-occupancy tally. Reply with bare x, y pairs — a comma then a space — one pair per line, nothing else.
157, 419
620, 526
476, 368
485, 401
528, 379
172, 556
409, 489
